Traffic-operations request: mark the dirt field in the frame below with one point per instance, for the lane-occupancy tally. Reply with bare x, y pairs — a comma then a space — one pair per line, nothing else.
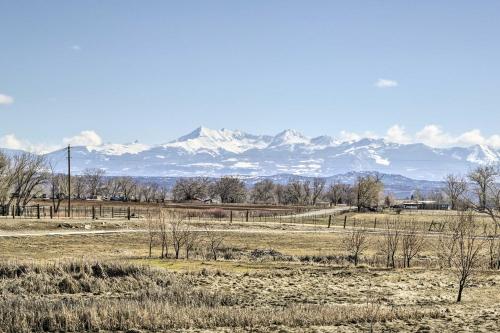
277, 277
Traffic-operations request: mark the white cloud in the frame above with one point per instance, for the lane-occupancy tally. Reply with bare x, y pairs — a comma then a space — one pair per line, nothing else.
10, 141
396, 133
386, 83
352, 136
431, 135
85, 138
76, 47
6, 99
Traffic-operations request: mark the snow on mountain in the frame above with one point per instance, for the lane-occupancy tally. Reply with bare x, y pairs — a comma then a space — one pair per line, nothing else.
215, 141
120, 149
208, 152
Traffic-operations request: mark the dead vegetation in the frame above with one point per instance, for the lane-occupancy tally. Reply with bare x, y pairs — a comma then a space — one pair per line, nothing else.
79, 296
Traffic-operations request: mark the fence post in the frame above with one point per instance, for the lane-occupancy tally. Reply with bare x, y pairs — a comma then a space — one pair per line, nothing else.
50, 212
14, 212
230, 216
246, 217
345, 220
100, 210
128, 213
112, 213
329, 220
38, 211
375, 223
93, 212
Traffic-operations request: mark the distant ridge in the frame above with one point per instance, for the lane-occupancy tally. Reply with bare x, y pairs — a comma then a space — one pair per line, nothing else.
210, 152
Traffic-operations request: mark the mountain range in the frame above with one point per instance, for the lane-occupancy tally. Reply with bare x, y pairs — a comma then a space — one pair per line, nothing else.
211, 152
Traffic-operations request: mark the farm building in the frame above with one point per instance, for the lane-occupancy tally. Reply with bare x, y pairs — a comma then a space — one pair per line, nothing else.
422, 204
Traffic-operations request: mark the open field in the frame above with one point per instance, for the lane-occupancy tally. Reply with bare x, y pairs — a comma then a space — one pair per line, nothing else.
270, 276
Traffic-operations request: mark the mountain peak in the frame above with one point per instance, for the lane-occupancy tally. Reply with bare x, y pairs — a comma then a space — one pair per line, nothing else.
289, 137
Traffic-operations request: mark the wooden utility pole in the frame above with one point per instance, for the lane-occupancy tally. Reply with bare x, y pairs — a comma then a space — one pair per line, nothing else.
69, 181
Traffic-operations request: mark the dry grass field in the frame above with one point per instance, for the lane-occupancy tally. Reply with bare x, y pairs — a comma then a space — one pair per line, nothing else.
269, 277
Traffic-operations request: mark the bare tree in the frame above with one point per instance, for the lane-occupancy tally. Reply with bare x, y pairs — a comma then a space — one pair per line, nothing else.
391, 241
455, 187
494, 250
229, 190
29, 173
214, 241
78, 186
318, 186
297, 192
191, 240
152, 224
412, 242
58, 187
355, 243
112, 188
5, 178
368, 189
466, 252
188, 189
148, 191
178, 232
279, 193
163, 225
127, 187
483, 177
94, 180
263, 192
335, 193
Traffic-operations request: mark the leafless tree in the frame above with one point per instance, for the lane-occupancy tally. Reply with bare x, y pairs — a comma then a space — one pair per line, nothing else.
279, 193
494, 250
187, 189
389, 200
355, 243
263, 192
336, 193
191, 240
127, 187
29, 173
412, 242
318, 186
163, 231
466, 252
214, 241
229, 190
298, 192
162, 193
112, 187
455, 188
94, 180
5, 178
78, 186
179, 230
148, 191
483, 178
368, 189
391, 240
58, 184
152, 223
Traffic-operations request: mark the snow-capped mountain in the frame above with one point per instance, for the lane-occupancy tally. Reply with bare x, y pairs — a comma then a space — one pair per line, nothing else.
211, 152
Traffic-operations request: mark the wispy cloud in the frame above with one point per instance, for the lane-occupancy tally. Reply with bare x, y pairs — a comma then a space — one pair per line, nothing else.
432, 135
6, 99
386, 83
84, 138
76, 47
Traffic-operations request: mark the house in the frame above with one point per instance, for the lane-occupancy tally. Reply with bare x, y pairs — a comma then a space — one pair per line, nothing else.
421, 204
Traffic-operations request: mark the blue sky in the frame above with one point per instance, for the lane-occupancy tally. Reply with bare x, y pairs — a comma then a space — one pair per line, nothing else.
155, 70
